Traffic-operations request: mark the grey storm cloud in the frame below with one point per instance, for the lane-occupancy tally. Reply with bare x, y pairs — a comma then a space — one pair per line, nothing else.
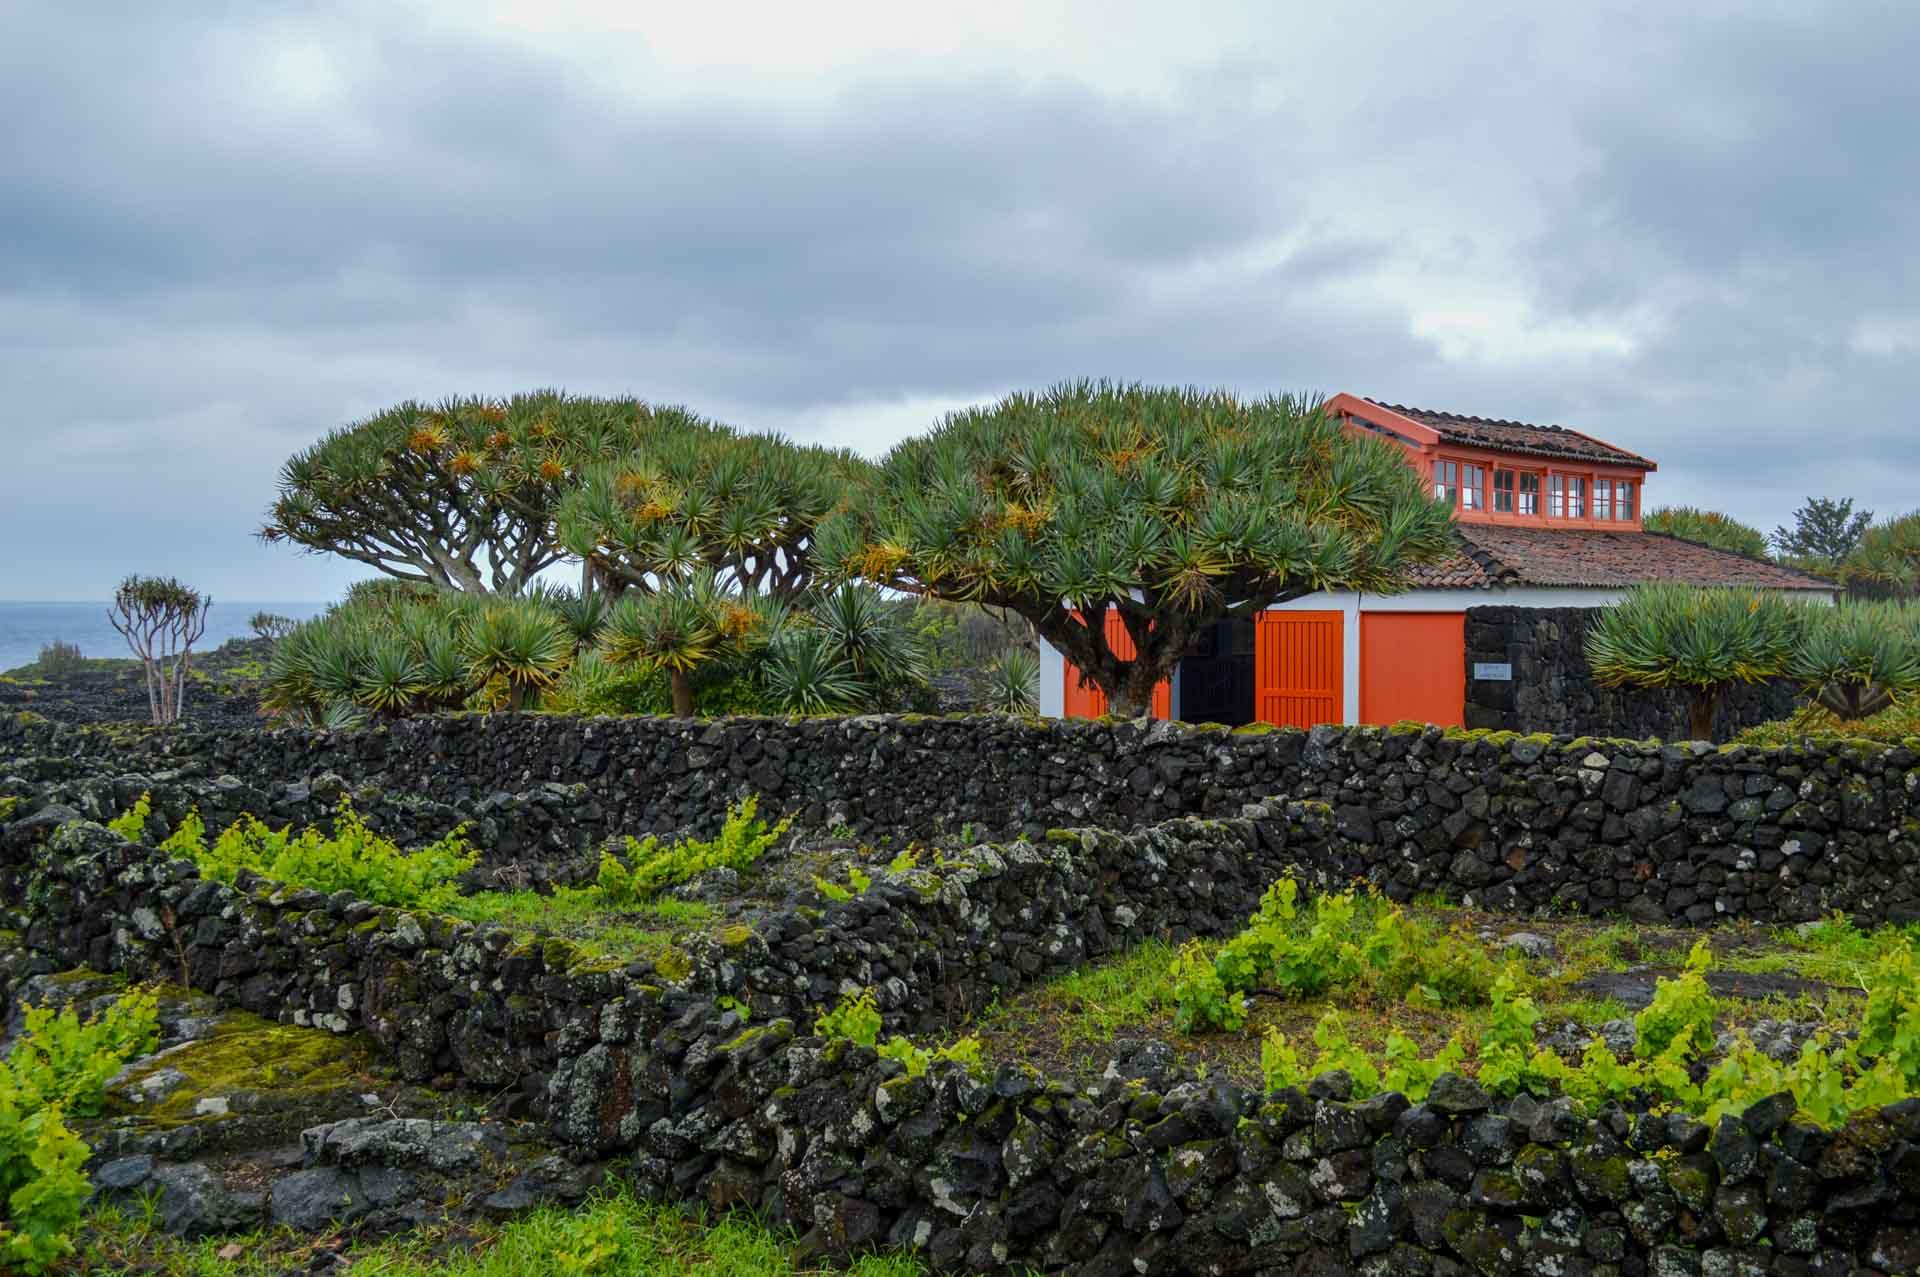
199, 275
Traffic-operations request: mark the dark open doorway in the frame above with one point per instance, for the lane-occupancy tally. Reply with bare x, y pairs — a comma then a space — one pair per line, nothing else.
1216, 679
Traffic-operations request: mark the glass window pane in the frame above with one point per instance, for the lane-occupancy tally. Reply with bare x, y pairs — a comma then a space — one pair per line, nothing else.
1530, 494
1624, 510
1576, 498
1557, 496
1503, 492
1603, 499
1446, 481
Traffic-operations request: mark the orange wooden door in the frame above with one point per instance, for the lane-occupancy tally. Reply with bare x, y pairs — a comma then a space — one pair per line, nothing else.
1090, 701
1298, 668
1413, 665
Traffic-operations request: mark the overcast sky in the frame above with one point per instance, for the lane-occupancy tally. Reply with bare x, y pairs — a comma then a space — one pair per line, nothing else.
226, 229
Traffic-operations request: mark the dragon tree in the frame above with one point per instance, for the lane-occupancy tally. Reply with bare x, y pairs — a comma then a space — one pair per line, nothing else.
461, 495
1176, 508
693, 498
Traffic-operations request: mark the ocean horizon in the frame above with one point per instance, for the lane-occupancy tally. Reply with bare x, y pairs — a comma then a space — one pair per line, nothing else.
26, 626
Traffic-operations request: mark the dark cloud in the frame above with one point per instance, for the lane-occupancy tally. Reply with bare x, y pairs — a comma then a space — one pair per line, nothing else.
204, 264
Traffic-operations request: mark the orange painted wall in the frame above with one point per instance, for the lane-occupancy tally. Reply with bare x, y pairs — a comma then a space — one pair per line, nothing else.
1090, 701
1413, 665
1297, 668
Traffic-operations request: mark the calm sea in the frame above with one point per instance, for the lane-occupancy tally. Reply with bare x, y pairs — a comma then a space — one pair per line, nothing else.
27, 627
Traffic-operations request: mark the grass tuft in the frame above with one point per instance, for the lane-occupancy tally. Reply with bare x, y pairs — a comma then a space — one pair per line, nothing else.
611, 1235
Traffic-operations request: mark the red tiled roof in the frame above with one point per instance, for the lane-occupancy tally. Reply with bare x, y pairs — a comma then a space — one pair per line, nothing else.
1458, 571
1496, 555
1517, 436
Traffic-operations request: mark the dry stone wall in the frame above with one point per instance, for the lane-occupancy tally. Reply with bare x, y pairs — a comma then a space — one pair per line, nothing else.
1152, 1172
1684, 833
1553, 690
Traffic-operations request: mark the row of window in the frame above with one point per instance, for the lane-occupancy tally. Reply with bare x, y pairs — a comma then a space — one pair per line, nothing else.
1518, 492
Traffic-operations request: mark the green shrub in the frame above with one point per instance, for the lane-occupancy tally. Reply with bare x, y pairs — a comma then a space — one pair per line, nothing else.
1890, 726
516, 648
1830, 1081
1887, 559
59, 658
353, 858
650, 868
807, 675
59, 1065
1680, 1016
858, 880
1407, 1069
1340, 939
597, 686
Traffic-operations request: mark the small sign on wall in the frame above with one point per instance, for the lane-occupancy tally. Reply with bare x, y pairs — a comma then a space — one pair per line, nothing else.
1493, 671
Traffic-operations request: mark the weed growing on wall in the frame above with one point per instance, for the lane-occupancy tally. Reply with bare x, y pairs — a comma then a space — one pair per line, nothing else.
59, 1066
611, 1234
1366, 952
1337, 940
857, 1020
353, 858
650, 868
132, 823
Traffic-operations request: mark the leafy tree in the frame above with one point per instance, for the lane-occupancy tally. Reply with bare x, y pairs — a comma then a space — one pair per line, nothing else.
1887, 560
1824, 530
1707, 527
161, 620
1700, 641
692, 496
1177, 507
1856, 659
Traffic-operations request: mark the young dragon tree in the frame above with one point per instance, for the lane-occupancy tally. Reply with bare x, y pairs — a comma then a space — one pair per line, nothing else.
1174, 507
1856, 659
683, 626
1886, 561
1703, 642
161, 620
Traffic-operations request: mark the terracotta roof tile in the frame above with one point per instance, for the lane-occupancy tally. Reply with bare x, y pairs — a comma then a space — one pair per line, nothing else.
1458, 571
1516, 436
1610, 560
